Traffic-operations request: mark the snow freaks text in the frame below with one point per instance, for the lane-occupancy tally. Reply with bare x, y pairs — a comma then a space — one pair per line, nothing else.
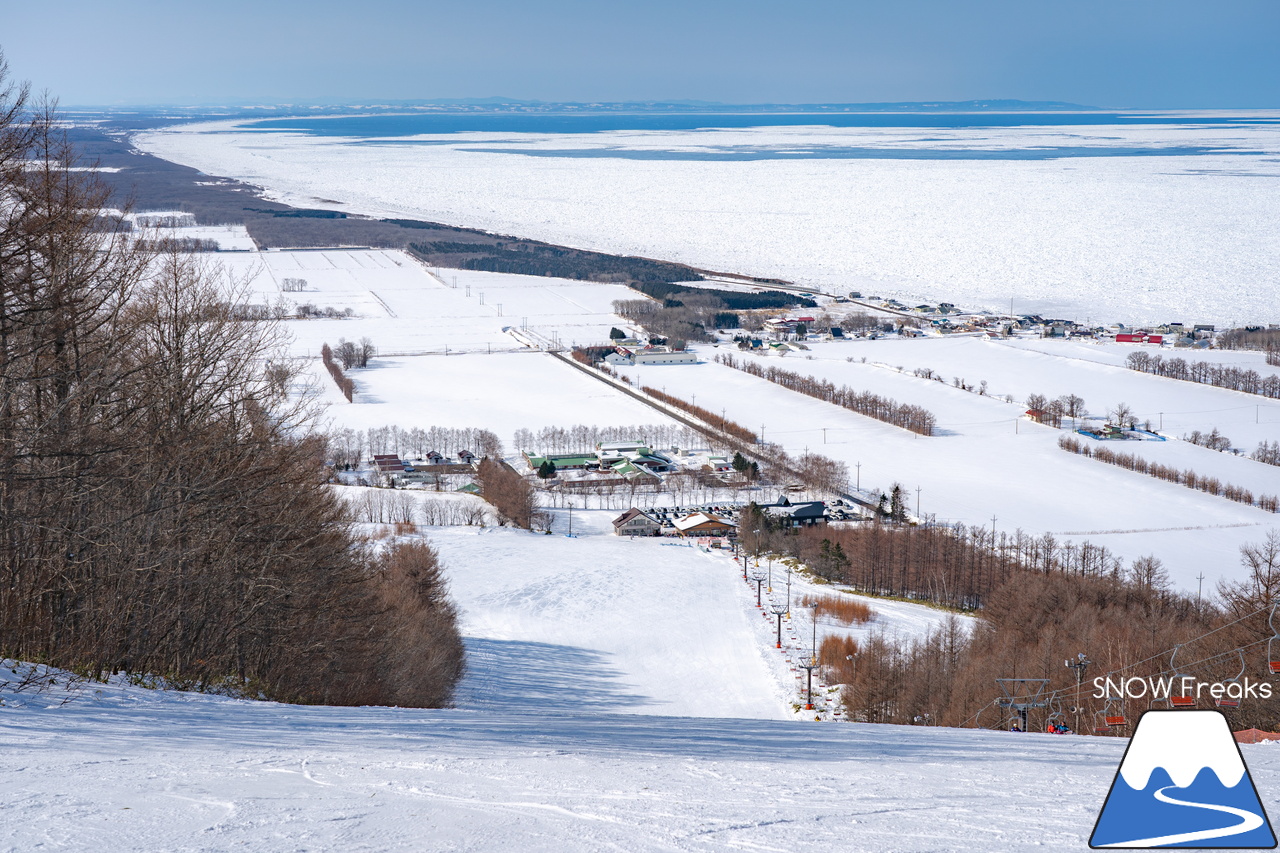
1162, 688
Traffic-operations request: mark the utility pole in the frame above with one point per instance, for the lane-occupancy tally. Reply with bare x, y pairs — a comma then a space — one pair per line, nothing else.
917, 501
1199, 589
858, 466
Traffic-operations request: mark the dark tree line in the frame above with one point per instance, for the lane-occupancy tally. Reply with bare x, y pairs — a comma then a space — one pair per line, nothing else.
162, 507
1267, 340
530, 258
1183, 477
733, 300
1207, 373
910, 417
345, 383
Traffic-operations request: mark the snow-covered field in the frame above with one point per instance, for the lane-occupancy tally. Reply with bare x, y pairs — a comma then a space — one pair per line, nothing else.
987, 460
1122, 235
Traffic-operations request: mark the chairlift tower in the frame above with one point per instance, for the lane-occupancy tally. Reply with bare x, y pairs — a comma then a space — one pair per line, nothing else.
809, 662
758, 576
778, 609
1021, 695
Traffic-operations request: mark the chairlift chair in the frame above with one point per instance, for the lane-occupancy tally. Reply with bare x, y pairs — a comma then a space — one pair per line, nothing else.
1056, 717
1179, 700
1226, 700
1113, 714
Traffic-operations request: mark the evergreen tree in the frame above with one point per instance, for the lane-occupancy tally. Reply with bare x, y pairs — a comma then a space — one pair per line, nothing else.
547, 469
740, 463
616, 334
897, 507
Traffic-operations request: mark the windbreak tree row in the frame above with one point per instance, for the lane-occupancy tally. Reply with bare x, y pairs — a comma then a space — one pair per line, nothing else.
905, 415
1183, 477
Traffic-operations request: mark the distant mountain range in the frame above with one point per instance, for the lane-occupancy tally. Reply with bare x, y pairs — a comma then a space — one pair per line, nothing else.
501, 104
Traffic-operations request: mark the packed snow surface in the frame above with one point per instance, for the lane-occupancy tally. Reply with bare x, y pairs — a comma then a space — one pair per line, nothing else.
969, 215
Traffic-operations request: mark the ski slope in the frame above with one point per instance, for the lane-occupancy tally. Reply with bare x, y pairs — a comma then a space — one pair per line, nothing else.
620, 697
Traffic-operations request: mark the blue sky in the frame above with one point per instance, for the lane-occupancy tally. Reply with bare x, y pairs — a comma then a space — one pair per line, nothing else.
1116, 53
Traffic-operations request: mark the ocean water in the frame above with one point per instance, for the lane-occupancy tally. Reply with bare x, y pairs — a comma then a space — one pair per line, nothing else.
1098, 217
387, 126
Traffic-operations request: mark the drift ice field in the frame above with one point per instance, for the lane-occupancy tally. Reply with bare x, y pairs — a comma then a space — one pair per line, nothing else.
1134, 224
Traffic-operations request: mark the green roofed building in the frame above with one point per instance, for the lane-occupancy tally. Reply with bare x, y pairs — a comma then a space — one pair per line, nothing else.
564, 462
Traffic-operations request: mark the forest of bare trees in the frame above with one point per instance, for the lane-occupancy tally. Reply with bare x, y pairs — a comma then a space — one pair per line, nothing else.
1040, 601
162, 507
1126, 623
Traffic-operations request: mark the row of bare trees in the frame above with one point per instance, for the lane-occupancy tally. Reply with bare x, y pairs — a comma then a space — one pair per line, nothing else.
716, 421
586, 437
348, 447
1207, 373
162, 506
1183, 477
408, 509
345, 383
905, 415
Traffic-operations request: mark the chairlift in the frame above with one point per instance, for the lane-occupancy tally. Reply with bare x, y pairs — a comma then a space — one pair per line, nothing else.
1056, 719
1227, 700
1179, 700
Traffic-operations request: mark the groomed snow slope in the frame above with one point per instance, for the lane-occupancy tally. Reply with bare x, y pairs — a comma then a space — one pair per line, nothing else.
140, 772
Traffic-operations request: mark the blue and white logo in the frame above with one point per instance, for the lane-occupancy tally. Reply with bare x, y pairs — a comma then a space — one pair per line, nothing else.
1183, 783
